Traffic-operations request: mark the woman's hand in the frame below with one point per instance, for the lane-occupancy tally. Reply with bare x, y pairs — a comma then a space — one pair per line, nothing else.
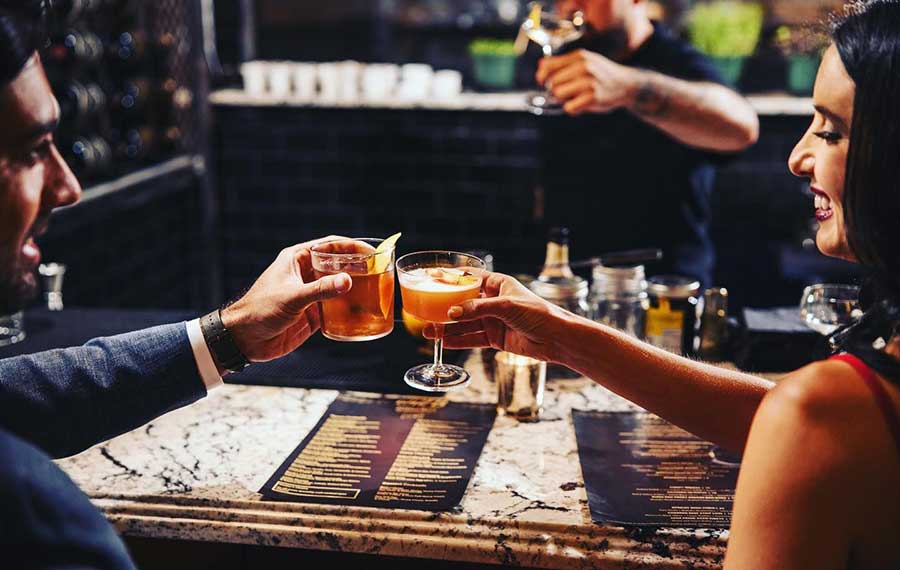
509, 317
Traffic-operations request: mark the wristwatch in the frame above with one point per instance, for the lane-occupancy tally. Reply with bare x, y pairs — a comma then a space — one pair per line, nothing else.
221, 344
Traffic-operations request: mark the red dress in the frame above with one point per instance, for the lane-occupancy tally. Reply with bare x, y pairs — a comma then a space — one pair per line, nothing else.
882, 398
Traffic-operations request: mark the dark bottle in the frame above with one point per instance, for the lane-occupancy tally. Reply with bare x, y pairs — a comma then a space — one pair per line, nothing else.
132, 98
74, 48
171, 141
80, 103
89, 156
134, 146
172, 99
127, 52
70, 11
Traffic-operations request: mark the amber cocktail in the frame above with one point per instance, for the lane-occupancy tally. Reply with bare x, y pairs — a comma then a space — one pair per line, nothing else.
366, 312
430, 283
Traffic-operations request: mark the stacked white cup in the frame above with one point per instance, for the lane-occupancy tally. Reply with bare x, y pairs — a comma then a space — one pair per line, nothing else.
415, 81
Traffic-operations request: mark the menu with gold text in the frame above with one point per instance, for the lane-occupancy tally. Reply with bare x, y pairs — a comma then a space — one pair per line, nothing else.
641, 470
393, 452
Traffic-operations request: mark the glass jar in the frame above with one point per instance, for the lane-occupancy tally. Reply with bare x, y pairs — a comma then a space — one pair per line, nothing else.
619, 298
570, 293
672, 315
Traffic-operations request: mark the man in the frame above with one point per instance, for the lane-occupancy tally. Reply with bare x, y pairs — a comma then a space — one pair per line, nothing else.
60, 402
653, 119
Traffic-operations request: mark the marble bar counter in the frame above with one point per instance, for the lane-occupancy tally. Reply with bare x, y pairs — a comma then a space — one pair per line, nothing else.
193, 475
769, 104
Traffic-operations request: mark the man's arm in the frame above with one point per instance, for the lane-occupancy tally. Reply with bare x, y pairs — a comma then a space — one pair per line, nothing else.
65, 401
703, 115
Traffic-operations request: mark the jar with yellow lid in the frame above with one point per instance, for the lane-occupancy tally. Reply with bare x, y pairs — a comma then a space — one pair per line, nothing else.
672, 316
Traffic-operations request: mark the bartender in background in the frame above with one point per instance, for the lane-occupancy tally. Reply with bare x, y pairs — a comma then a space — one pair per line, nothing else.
652, 119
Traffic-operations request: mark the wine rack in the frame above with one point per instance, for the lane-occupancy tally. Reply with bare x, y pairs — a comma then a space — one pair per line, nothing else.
123, 72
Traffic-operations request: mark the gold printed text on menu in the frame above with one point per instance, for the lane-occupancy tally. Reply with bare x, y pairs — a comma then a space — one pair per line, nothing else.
419, 473
335, 461
681, 458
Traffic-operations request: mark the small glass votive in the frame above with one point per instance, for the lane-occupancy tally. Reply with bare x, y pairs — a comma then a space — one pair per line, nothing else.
520, 386
12, 328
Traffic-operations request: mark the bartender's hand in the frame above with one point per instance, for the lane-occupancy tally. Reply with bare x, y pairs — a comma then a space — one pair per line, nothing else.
509, 317
588, 82
279, 312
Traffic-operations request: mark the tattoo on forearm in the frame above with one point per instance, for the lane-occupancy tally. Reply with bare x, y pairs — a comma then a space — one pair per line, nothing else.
651, 100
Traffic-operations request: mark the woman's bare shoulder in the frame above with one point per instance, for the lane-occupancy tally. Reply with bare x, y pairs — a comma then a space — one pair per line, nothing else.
830, 403
821, 390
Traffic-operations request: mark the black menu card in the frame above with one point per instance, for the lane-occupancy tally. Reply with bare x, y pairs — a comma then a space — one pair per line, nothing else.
386, 451
641, 470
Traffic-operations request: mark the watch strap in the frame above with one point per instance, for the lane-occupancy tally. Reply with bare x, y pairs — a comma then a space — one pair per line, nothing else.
221, 344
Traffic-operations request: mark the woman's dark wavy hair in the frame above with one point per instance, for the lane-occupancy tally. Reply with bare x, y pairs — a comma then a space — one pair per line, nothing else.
867, 38
22, 32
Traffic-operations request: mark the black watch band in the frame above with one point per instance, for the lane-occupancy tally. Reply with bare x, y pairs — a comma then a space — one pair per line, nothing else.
221, 344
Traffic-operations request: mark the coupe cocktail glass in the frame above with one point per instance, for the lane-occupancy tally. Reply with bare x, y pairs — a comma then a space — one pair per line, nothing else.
430, 283
366, 312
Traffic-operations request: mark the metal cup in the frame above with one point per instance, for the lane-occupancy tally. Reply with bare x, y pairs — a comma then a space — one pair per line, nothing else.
520, 386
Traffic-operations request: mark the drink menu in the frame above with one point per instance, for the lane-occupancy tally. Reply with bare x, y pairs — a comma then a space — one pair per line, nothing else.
393, 452
641, 470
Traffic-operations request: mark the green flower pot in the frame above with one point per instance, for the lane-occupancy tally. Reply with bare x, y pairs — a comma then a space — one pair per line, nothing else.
730, 67
494, 71
801, 73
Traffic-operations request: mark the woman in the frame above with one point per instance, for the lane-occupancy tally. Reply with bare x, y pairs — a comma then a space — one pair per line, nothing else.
820, 480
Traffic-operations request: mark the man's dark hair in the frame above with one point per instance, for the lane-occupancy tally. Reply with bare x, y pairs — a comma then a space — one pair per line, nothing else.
22, 32
867, 38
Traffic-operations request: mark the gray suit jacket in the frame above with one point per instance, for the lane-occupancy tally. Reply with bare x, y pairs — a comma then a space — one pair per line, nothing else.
61, 402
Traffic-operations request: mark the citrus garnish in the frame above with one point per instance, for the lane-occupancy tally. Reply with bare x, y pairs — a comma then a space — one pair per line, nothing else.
380, 259
413, 325
386, 294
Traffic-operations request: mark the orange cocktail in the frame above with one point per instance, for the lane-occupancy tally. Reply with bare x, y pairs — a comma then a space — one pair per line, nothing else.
429, 293
430, 283
366, 312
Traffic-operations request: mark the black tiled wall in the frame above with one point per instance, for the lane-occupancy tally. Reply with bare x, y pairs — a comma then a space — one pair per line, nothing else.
134, 248
460, 180
470, 180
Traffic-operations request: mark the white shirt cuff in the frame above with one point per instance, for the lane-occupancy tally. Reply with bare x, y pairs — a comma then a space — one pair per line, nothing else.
205, 365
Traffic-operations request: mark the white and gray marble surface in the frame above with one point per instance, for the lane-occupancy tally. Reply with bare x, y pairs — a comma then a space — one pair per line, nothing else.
194, 474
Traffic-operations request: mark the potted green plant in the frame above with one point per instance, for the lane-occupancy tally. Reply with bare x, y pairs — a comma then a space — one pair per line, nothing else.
727, 31
802, 46
494, 62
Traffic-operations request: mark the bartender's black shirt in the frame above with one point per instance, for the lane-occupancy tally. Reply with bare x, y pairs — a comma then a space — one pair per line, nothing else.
620, 183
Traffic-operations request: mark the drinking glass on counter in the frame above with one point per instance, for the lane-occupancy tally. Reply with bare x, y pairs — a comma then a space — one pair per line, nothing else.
551, 31
826, 307
430, 283
12, 328
520, 386
366, 312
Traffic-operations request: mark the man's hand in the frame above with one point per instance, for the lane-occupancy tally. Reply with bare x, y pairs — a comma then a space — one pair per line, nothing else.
588, 82
279, 313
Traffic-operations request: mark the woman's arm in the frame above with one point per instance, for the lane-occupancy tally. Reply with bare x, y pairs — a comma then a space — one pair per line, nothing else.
713, 403
709, 401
